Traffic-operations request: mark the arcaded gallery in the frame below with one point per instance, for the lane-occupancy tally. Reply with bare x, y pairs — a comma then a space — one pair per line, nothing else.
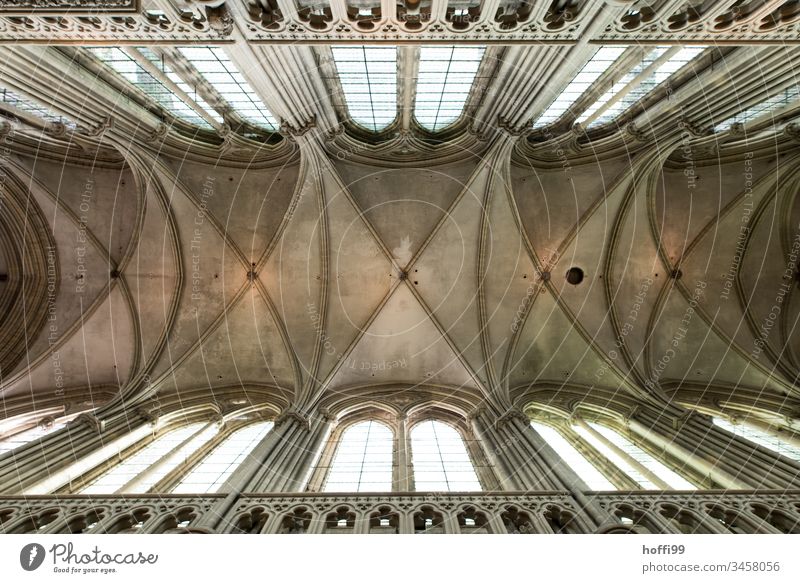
399, 266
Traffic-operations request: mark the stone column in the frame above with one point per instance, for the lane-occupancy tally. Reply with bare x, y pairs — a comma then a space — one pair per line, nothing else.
33, 462
404, 475
749, 465
529, 463
278, 464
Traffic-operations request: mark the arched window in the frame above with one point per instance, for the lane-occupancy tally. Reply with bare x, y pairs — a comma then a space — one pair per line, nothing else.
440, 458
221, 73
759, 437
139, 472
126, 66
573, 458
363, 460
368, 76
764, 108
671, 478
217, 466
44, 425
445, 78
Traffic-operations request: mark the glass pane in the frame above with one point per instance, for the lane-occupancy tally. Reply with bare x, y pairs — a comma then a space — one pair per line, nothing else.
363, 460
368, 76
573, 458
128, 469
674, 64
34, 108
602, 59
128, 68
219, 71
761, 438
615, 459
673, 479
786, 97
618, 85
440, 458
217, 466
14, 441
446, 75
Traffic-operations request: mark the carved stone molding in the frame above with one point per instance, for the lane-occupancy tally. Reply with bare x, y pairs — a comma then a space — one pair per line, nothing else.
28, 7
91, 421
510, 415
294, 415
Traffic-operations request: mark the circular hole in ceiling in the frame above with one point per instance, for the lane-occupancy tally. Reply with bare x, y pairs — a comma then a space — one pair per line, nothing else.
575, 275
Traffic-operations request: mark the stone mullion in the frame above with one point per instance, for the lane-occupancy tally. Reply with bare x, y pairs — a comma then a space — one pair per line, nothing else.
273, 469
163, 459
148, 66
563, 476
754, 467
55, 84
223, 509
75, 485
405, 522
318, 476
529, 450
403, 478
481, 463
701, 467
174, 477
25, 467
408, 67
254, 468
642, 469
601, 463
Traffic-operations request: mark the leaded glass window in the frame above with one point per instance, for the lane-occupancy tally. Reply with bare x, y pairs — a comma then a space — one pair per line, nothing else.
368, 76
600, 62
440, 458
573, 458
363, 460
209, 475
762, 438
788, 96
135, 74
446, 76
124, 472
221, 73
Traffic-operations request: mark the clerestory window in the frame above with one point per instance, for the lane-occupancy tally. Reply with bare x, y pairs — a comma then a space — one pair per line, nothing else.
363, 459
440, 459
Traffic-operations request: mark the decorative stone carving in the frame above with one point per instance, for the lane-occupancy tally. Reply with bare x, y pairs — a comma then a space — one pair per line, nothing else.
693, 129
299, 417
73, 6
293, 132
637, 133
220, 19
91, 421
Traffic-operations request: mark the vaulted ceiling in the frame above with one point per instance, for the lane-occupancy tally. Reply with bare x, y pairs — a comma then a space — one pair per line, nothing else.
649, 260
